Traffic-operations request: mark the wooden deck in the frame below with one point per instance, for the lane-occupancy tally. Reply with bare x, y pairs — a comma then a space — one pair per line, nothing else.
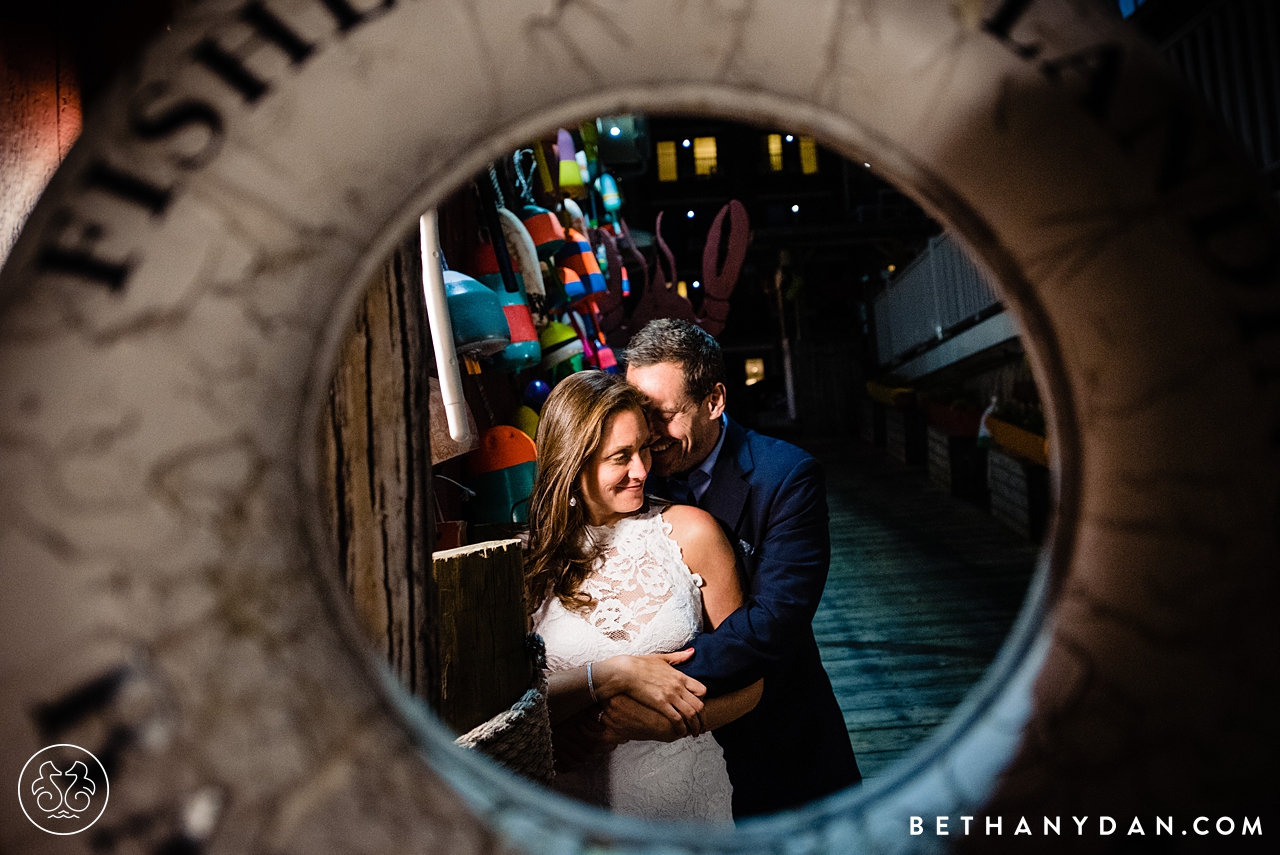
923, 590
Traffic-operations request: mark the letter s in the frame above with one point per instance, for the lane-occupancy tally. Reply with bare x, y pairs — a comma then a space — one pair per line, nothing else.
152, 125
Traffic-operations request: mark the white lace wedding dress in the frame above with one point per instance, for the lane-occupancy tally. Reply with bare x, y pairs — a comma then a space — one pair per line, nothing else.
647, 601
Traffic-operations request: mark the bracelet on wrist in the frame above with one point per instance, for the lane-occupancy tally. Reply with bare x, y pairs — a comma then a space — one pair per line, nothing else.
591, 685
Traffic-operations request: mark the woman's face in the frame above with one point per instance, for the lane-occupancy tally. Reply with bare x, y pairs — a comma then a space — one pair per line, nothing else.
612, 482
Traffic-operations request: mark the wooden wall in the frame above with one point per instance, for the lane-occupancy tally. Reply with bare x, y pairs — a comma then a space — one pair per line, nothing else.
56, 58
452, 629
39, 114
377, 458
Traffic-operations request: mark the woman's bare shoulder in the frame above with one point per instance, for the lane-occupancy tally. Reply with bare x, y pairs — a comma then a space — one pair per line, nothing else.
696, 532
690, 521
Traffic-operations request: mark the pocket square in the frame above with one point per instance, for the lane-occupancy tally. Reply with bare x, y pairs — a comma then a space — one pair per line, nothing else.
747, 548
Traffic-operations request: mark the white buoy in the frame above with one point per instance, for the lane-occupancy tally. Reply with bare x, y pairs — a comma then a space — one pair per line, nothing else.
455, 407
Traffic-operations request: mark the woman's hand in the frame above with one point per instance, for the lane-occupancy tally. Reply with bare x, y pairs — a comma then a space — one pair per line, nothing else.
577, 739
625, 720
654, 682
651, 680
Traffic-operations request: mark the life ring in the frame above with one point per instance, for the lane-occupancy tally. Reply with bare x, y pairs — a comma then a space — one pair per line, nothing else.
172, 311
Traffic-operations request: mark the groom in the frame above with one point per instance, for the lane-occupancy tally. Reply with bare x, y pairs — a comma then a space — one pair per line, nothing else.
770, 497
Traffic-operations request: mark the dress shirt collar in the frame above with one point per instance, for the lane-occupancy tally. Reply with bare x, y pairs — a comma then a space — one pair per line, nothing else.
700, 478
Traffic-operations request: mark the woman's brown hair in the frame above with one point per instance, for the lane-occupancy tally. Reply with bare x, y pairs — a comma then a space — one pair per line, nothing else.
573, 419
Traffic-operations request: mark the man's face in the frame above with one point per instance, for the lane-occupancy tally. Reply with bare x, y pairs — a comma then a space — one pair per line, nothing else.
682, 431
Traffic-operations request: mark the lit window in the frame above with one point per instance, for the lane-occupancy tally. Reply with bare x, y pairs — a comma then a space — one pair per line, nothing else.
808, 156
755, 371
704, 155
667, 161
775, 152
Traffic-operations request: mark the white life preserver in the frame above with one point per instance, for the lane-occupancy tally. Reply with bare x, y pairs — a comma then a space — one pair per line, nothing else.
171, 316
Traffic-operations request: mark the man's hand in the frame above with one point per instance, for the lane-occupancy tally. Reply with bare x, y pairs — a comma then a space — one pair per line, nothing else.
626, 719
653, 680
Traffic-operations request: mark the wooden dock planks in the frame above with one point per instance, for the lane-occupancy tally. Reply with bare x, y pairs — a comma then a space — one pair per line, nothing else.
922, 592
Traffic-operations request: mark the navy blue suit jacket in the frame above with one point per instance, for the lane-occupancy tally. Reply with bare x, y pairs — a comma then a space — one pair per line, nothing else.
770, 497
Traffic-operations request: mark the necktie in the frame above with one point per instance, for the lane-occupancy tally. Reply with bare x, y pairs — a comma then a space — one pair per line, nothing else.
681, 491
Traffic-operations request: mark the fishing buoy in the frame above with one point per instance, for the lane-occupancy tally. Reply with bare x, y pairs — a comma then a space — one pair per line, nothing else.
526, 419
571, 285
562, 352
479, 324
524, 250
609, 195
535, 394
573, 217
605, 359
523, 351
570, 174
583, 330
576, 255
545, 229
501, 472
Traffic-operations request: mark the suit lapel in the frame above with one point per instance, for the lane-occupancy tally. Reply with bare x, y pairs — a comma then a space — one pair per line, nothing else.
727, 496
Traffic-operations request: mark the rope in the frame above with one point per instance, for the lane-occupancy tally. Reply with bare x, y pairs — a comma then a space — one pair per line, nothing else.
520, 738
497, 191
524, 179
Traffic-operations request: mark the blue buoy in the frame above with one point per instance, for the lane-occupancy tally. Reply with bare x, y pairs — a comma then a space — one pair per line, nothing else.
535, 395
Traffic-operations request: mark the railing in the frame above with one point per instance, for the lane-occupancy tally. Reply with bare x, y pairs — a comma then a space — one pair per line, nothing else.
940, 291
1230, 54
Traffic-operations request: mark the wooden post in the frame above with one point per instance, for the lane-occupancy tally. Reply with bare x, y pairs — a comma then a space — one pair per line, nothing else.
39, 114
375, 441
452, 629
480, 627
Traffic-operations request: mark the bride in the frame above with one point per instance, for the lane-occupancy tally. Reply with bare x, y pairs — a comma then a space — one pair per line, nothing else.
620, 583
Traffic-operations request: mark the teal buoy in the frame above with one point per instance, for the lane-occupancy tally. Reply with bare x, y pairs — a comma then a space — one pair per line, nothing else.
479, 324
501, 472
524, 350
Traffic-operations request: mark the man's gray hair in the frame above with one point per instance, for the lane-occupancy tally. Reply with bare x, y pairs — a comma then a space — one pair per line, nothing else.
686, 344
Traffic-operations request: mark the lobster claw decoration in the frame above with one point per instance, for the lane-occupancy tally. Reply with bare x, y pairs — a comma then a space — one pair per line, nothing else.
660, 299
719, 277
722, 260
